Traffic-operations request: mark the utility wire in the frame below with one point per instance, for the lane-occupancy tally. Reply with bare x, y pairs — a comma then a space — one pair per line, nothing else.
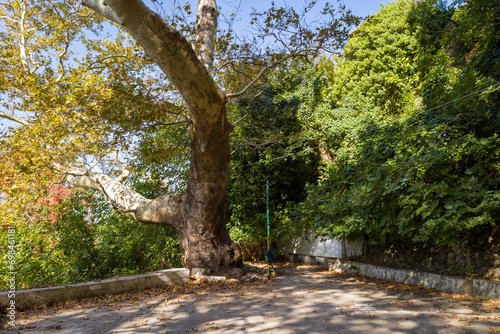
421, 111
463, 97
277, 158
417, 111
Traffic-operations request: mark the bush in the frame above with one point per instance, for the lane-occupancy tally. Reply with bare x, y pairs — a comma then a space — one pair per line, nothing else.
428, 177
86, 242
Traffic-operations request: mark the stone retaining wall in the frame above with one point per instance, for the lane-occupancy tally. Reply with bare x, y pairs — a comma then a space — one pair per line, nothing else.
481, 288
44, 296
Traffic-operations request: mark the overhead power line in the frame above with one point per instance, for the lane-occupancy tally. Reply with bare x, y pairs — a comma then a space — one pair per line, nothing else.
277, 158
421, 111
417, 111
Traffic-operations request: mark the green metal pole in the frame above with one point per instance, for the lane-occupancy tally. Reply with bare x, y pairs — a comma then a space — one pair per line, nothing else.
268, 226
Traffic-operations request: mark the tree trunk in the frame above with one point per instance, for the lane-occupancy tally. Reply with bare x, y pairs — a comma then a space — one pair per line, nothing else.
203, 234
204, 239
199, 215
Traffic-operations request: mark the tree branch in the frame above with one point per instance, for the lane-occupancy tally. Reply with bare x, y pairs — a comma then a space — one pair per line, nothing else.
17, 119
261, 73
168, 49
207, 30
8, 18
162, 210
168, 124
22, 38
243, 91
99, 7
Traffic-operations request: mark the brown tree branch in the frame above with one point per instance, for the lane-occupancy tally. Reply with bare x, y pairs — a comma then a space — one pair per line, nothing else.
257, 78
207, 30
14, 118
162, 210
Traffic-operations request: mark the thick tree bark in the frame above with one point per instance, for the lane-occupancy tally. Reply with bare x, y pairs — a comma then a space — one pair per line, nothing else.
204, 237
207, 27
200, 214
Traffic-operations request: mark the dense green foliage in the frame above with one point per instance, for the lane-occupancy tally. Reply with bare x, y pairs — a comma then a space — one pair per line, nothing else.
71, 241
475, 30
70, 237
408, 138
427, 176
394, 56
379, 61
268, 144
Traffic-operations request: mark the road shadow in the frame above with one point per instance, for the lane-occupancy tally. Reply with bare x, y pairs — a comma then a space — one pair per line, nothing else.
302, 299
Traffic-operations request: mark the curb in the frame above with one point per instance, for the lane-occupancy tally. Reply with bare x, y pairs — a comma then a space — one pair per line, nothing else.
44, 296
485, 289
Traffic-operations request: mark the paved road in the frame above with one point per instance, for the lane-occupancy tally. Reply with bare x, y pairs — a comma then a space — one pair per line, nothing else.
299, 300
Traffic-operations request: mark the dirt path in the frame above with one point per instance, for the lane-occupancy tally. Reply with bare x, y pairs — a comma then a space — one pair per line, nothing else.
301, 299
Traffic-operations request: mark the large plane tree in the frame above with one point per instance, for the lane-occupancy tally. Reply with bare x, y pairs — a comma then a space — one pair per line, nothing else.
81, 99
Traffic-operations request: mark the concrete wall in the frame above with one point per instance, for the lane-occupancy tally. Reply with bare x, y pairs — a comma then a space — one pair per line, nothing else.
476, 287
44, 296
353, 248
321, 246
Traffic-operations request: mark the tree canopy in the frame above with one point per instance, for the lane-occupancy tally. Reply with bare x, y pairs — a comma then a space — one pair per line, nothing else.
86, 117
394, 141
425, 172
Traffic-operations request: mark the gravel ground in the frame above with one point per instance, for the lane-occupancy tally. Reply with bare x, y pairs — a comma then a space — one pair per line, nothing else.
300, 299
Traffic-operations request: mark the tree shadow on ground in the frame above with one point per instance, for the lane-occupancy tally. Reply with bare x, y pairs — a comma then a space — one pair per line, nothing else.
303, 299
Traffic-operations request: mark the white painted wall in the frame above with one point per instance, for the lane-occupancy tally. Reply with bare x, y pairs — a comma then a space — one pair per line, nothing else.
353, 248
309, 244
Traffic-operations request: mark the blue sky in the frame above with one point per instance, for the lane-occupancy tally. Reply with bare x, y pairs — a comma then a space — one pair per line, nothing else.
359, 7
365, 7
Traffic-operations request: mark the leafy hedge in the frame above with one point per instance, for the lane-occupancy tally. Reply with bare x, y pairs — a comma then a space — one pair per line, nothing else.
428, 177
85, 244
420, 164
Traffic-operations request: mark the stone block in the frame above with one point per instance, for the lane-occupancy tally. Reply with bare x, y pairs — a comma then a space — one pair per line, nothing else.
310, 260
198, 272
44, 296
